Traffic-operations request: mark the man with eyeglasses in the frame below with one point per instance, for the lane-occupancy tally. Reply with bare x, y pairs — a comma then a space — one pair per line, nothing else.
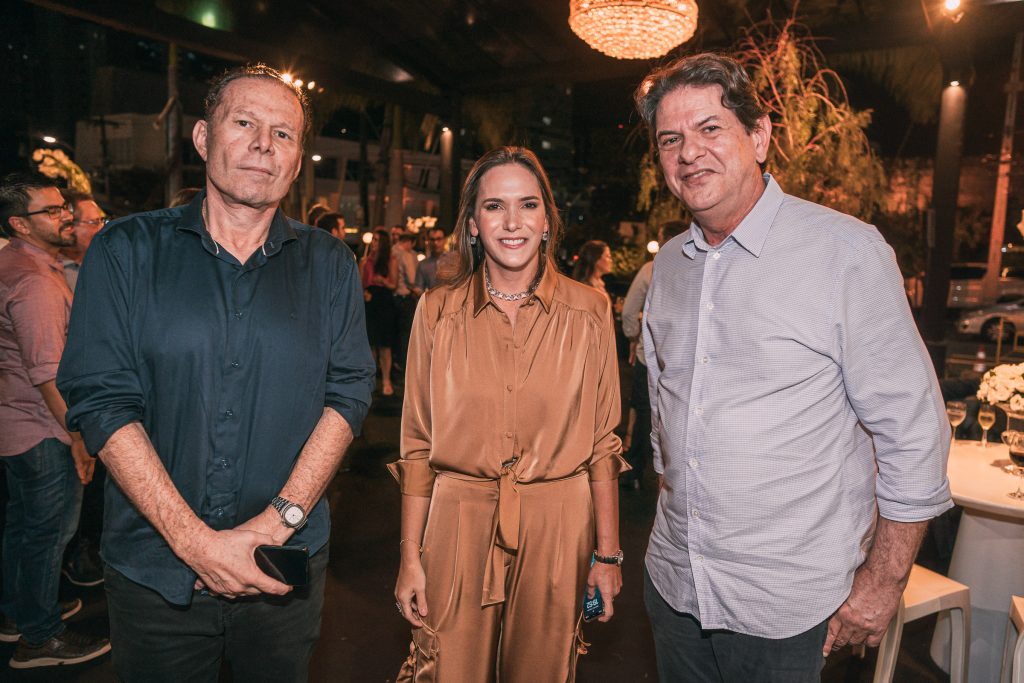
46, 465
426, 274
89, 220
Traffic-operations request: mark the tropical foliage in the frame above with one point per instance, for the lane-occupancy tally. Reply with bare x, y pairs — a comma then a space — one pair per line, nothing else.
819, 149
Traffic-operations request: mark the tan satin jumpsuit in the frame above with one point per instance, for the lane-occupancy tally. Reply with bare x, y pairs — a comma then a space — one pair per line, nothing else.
504, 429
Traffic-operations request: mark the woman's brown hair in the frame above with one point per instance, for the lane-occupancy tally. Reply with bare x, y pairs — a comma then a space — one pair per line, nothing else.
470, 256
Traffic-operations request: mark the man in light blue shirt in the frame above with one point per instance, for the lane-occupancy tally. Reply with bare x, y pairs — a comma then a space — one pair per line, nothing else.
797, 424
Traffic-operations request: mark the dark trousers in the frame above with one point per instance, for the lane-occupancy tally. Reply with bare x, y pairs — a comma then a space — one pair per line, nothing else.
44, 496
640, 451
405, 307
263, 638
688, 654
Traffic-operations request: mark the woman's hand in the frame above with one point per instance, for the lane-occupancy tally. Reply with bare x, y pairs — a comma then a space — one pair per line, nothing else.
608, 579
410, 590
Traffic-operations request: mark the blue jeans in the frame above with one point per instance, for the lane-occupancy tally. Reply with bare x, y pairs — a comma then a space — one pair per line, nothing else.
685, 652
45, 496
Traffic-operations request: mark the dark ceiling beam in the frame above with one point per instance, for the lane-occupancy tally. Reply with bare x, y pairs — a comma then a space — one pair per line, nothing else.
143, 20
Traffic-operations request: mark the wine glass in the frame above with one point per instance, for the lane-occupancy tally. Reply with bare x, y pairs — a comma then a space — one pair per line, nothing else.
986, 418
956, 411
1015, 441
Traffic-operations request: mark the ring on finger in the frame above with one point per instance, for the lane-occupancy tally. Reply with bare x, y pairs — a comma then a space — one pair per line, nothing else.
398, 606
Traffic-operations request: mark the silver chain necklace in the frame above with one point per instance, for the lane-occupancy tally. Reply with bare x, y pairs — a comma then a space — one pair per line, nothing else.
518, 296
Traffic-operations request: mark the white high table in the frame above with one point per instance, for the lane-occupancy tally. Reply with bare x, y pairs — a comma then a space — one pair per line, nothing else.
988, 555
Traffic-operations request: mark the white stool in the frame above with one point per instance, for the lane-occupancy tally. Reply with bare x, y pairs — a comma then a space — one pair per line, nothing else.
1013, 648
929, 593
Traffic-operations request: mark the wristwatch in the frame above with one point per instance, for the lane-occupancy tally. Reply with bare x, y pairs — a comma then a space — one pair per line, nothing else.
292, 514
615, 559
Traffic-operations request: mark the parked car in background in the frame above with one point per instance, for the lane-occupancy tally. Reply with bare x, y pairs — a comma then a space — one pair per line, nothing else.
985, 321
965, 284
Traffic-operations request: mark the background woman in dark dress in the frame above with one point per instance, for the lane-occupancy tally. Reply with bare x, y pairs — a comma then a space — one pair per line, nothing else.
379, 271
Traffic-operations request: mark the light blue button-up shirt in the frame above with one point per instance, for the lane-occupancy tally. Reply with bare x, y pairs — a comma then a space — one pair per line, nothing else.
784, 366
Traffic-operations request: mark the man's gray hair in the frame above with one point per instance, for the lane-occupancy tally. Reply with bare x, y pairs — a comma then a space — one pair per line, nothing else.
262, 71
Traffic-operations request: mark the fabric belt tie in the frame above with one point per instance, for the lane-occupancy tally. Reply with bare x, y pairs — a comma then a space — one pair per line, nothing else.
504, 534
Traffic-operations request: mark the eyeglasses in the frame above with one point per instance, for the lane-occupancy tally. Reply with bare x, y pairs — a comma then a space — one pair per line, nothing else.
52, 211
94, 223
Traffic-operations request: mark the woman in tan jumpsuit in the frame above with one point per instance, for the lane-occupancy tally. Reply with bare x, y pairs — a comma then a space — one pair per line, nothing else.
508, 459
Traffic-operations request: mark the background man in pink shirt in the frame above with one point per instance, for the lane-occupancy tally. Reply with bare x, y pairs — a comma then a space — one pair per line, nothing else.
46, 465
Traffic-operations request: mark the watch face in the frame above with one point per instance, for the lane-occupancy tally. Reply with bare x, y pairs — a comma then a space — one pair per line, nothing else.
293, 515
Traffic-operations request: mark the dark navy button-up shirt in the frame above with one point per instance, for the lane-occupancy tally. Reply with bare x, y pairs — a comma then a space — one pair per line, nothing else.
227, 366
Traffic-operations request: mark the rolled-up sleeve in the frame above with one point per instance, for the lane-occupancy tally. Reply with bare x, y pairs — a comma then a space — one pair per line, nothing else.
351, 370
607, 462
892, 387
97, 375
38, 313
412, 470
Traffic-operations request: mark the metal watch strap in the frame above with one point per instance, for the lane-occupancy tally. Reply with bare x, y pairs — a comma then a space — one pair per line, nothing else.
281, 504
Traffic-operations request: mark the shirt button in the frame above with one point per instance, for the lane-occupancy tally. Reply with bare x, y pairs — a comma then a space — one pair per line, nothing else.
695, 513
229, 413
716, 255
222, 463
218, 512
699, 411
235, 364
704, 360
711, 307
238, 314
693, 462
700, 558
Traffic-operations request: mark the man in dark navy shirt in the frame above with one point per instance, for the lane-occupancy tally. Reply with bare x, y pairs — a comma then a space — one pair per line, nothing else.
217, 361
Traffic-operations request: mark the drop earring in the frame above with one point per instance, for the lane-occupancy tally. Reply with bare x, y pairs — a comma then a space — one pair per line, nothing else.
544, 235
472, 239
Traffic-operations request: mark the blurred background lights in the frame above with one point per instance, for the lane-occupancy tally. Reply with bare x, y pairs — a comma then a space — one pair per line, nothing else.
317, 157
652, 247
49, 139
367, 237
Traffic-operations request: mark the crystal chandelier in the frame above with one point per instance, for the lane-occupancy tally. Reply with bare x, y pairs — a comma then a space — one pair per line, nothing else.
633, 29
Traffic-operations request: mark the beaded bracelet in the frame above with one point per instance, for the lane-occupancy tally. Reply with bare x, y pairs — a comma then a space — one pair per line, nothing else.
409, 540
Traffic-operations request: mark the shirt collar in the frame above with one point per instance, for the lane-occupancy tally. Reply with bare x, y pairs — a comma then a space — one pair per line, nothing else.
37, 254
192, 220
752, 232
544, 293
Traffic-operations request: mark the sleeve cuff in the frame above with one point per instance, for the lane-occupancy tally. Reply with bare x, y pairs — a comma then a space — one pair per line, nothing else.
43, 373
414, 477
96, 430
352, 411
608, 468
899, 512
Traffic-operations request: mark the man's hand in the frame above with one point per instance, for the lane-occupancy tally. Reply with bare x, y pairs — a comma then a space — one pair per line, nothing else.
865, 616
85, 464
268, 523
225, 565
608, 579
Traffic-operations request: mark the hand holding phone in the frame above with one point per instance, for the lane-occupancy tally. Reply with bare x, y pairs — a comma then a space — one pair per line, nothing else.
286, 563
592, 607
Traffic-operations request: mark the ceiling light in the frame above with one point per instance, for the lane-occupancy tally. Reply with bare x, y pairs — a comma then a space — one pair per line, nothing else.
633, 29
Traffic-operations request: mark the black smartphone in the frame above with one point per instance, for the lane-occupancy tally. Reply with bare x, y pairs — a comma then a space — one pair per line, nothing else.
592, 607
287, 563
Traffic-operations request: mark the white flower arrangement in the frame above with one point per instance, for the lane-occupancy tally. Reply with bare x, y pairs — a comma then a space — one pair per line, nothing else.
1004, 384
414, 225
